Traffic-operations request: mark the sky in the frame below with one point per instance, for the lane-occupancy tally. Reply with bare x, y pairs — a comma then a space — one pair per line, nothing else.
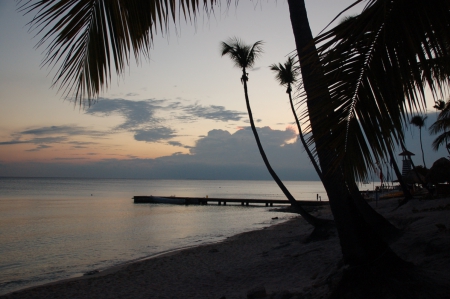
178, 115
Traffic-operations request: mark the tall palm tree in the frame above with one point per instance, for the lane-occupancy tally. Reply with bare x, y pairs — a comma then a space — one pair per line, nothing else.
287, 75
244, 57
352, 228
419, 121
442, 124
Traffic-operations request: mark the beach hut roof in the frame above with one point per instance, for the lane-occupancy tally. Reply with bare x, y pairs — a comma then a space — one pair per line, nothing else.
406, 153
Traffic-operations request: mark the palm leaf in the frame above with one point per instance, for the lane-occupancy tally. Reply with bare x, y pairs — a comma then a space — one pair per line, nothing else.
378, 66
87, 39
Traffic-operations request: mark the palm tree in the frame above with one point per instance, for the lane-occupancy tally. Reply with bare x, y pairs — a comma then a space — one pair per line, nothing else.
439, 105
351, 226
419, 121
442, 124
244, 57
287, 74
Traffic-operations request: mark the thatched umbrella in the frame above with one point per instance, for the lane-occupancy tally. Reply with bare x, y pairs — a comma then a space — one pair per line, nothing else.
439, 172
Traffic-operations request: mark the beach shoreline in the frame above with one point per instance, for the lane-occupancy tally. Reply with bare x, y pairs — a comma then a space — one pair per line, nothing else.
275, 260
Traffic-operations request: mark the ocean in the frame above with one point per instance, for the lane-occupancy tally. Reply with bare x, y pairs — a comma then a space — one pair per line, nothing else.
58, 228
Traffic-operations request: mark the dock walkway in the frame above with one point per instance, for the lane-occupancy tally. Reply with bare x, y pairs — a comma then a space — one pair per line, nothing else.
220, 201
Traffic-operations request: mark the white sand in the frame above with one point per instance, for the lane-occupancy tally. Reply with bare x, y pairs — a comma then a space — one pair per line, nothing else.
275, 258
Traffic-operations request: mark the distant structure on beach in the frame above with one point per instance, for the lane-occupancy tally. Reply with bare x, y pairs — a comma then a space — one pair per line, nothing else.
406, 166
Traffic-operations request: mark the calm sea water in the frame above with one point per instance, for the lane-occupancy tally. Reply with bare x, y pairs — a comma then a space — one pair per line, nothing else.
52, 229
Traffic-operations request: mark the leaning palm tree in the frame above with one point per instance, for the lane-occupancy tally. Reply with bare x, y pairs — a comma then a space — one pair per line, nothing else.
244, 57
419, 121
287, 75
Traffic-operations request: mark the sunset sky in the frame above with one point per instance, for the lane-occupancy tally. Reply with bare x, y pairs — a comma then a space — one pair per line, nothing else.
180, 114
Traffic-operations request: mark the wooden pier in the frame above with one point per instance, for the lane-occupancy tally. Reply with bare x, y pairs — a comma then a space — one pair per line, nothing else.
220, 201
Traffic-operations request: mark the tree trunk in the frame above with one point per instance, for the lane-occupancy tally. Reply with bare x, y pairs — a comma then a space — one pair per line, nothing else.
316, 222
421, 147
359, 243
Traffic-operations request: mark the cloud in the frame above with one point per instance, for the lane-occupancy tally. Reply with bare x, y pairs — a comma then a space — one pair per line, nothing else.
78, 143
146, 118
41, 140
42, 146
43, 136
136, 113
131, 94
68, 159
155, 134
175, 143
218, 155
63, 130
148, 112
218, 113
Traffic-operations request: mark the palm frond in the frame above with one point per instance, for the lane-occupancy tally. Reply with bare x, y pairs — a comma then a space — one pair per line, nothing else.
377, 66
442, 139
88, 39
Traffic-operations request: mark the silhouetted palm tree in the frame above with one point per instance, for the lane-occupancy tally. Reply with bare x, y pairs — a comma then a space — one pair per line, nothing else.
244, 57
419, 121
439, 105
287, 74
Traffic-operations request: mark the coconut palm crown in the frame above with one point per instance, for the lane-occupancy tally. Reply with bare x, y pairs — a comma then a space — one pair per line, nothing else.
286, 74
243, 56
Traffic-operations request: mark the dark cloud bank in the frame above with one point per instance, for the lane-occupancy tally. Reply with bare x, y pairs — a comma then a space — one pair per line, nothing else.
219, 155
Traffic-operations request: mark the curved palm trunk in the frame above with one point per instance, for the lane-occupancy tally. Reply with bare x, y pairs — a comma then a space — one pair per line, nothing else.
302, 138
421, 147
308, 217
359, 243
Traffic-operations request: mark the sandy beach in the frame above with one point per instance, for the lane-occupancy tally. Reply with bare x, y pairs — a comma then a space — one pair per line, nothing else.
274, 262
